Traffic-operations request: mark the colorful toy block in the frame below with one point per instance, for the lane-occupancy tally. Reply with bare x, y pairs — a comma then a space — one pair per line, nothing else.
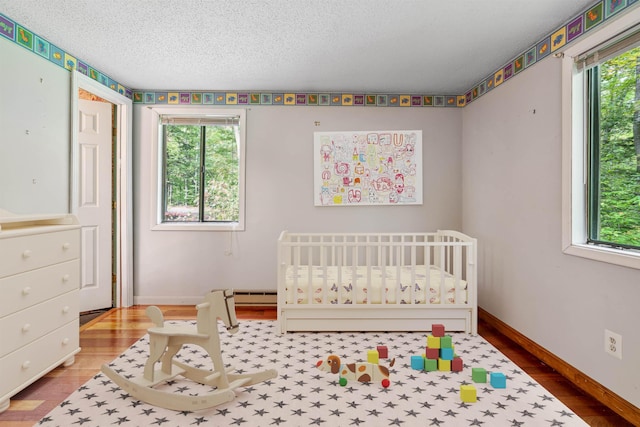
445, 342
372, 356
417, 362
446, 353
498, 380
433, 342
479, 375
430, 365
468, 394
457, 365
433, 353
444, 365
383, 351
437, 330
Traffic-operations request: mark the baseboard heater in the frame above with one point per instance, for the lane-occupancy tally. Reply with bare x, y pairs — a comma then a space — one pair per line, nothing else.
256, 297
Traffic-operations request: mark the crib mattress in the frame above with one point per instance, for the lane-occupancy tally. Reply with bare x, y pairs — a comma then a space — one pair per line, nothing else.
418, 284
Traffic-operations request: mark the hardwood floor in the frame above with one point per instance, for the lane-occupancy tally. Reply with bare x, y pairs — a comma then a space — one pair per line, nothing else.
108, 335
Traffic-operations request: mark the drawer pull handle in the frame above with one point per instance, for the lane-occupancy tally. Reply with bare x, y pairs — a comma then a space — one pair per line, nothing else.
65, 341
26, 364
26, 253
65, 278
26, 291
65, 310
26, 327
66, 246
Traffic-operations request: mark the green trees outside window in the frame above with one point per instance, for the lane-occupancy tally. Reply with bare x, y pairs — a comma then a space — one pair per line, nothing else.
614, 148
201, 173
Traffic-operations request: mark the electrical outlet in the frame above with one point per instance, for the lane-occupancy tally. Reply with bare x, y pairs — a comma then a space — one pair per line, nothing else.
613, 344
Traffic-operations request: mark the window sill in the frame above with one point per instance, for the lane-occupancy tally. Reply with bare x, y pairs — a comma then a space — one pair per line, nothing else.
232, 226
623, 257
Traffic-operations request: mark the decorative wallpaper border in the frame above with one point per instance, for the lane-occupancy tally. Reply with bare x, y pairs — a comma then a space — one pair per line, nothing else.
38, 45
573, 29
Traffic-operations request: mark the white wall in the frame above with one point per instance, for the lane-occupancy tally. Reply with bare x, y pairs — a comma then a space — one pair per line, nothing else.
512, 193
34, 132
179, 267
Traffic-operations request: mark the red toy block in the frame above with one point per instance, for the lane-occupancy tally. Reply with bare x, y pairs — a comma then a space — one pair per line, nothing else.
437, 330
383, 352
457, 365
433, 353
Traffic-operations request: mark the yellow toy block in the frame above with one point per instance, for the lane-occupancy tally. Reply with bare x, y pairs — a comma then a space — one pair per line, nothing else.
372, 356
433, 342
444, 365
468, 394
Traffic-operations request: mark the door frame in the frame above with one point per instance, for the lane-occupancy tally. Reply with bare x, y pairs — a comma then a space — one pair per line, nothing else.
123, 180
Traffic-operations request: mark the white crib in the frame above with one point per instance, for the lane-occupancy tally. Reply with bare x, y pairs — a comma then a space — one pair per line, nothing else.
377, 281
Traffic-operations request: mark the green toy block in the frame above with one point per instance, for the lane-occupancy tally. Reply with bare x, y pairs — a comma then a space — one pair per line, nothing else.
430, 365
479, 375
445, 342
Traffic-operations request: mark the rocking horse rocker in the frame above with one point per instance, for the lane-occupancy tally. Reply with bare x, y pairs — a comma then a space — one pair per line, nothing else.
166, 340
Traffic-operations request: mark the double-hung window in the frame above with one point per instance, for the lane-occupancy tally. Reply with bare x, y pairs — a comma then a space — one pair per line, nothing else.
200, 169
602, 148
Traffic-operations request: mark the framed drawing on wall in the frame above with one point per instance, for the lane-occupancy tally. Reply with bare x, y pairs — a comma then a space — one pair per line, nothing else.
358, 168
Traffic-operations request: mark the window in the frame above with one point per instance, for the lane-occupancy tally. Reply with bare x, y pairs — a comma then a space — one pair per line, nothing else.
200, 169
613, 146
601, 144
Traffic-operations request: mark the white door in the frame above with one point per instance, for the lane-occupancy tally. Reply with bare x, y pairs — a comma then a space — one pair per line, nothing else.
94, 203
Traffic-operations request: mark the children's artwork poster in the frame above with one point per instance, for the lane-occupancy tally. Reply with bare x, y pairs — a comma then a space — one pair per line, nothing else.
359, 168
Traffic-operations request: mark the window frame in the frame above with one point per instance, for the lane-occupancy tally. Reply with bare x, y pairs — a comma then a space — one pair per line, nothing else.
157, 178
575, 154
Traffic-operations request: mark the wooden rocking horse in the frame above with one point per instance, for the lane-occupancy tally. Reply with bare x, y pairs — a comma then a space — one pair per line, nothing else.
165, 340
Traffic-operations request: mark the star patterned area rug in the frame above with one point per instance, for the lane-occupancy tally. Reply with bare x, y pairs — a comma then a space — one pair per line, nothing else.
303, 395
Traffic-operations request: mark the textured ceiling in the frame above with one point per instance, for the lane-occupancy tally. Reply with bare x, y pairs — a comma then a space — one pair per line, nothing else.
384, 46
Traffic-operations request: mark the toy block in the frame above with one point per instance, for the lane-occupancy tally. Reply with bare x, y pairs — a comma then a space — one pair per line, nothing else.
433, 353
383, 351
479, 375
430, 365
445, 342
468, 394
417, 362
444, 365
446, 353
433, 342
498, 380
437, 330
372, 356
457, 365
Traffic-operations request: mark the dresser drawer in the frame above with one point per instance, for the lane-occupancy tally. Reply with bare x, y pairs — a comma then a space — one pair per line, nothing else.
24, 253
31, 288
22, 367
28, 325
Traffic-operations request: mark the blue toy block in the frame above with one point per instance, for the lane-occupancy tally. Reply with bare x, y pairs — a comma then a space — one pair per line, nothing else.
417, 362
446, 353
498, 380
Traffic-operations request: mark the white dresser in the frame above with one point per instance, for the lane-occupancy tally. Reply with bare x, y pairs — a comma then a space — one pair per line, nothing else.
39, 303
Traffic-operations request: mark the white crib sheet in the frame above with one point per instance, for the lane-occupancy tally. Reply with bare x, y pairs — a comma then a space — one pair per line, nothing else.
343, 286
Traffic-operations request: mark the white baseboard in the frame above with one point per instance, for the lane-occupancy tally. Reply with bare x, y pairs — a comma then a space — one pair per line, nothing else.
164, 300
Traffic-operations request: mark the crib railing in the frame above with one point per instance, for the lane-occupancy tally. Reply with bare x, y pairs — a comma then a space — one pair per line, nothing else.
453, 253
